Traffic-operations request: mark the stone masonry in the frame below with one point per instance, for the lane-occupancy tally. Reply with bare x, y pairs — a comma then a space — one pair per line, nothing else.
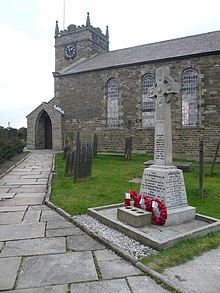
84, 115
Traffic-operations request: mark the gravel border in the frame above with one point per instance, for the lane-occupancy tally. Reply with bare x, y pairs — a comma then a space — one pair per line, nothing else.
131, 246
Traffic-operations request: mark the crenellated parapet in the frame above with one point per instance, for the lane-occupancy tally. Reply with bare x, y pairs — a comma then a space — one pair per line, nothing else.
95, 33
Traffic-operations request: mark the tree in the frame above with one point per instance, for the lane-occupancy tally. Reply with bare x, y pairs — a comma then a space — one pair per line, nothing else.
22, 133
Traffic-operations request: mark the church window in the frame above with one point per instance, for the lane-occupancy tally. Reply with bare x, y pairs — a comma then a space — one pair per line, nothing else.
148, 104
189, 90
112, 104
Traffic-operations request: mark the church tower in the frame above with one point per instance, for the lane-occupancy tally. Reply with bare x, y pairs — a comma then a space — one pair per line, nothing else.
77, 42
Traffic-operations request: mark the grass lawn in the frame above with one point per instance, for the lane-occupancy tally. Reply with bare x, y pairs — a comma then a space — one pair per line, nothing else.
109, 182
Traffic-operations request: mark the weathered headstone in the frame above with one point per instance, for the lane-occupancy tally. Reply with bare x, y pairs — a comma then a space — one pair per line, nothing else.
201, 167
163, 180
128, 148
69, 163
95, 145
82, 160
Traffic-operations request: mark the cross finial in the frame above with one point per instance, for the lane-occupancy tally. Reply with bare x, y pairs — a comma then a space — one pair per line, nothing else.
57, 29
107, 32
88, 20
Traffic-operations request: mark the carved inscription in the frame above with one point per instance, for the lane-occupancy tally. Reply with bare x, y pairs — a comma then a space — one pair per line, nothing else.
166, 186
153, 185
176, 195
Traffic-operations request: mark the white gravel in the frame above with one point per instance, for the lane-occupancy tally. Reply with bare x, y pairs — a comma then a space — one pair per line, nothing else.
120, 240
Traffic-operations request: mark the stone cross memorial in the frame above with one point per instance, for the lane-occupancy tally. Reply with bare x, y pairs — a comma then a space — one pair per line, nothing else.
163, 180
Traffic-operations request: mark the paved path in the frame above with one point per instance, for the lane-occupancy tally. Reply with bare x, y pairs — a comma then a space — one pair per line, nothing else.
200, 275
41, 252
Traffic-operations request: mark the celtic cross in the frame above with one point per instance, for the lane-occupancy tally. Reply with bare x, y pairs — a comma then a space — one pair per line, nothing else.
163, 91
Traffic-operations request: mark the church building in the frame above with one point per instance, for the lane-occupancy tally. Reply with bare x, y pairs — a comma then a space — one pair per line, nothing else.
102, 92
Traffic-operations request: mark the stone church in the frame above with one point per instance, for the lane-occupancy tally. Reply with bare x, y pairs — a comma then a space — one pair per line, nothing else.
102, 92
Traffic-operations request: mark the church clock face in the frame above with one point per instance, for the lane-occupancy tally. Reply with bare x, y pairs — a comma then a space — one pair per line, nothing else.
70, 51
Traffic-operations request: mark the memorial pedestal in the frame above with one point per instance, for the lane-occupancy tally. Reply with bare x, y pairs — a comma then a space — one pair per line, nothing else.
167, 184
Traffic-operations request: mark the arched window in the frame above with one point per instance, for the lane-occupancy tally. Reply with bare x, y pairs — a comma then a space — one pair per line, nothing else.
112, 104
189, 89
148, 104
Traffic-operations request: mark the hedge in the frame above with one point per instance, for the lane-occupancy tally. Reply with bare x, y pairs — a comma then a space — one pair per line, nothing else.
10, 148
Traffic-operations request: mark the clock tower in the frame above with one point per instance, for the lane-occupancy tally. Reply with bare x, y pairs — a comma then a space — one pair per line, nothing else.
77, 42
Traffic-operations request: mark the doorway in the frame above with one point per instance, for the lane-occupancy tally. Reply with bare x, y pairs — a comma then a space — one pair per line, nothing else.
43, 138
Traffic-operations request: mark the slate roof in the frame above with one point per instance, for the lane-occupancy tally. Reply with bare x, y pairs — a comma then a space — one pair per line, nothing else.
176, 48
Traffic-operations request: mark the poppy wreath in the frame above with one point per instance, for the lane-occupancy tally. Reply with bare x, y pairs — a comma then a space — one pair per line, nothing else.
158, 220
161, 219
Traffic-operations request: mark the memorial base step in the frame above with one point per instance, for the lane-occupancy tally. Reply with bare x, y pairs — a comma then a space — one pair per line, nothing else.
180, 215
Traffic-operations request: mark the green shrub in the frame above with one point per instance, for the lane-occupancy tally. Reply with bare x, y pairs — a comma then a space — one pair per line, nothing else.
10, 148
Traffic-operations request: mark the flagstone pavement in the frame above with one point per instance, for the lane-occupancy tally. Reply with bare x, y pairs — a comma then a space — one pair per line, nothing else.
41, 252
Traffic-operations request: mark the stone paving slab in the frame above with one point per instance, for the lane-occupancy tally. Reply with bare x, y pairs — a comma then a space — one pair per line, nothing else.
117, 268
104, 255
32, 247
21, 231
110, 286
26, 182
50, 215
34, 176
11, 217
8, 271
64, 232
15, 181
42, 181
16, 172
48, 289
39, 207
7, 195
22, 201
29, 194
21, 170
57, 269
59, 224
144, 284
32, 217
28, 188
83, 242
12, 208
200, 275
4, 189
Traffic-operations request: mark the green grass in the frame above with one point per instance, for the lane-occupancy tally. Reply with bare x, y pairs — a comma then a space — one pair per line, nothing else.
109, 182
182, 252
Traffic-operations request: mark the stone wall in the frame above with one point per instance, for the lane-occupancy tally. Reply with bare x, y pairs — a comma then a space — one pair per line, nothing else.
83, 98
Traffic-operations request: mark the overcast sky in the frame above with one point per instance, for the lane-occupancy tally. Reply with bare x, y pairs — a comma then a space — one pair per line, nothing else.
27, 39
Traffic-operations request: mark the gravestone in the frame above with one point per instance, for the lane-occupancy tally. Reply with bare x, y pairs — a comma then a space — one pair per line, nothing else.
128, 148
82, 160
163, 180
95, 145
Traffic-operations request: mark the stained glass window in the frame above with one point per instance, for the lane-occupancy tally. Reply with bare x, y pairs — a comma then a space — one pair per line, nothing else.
148, 104
112, 104
189, 89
